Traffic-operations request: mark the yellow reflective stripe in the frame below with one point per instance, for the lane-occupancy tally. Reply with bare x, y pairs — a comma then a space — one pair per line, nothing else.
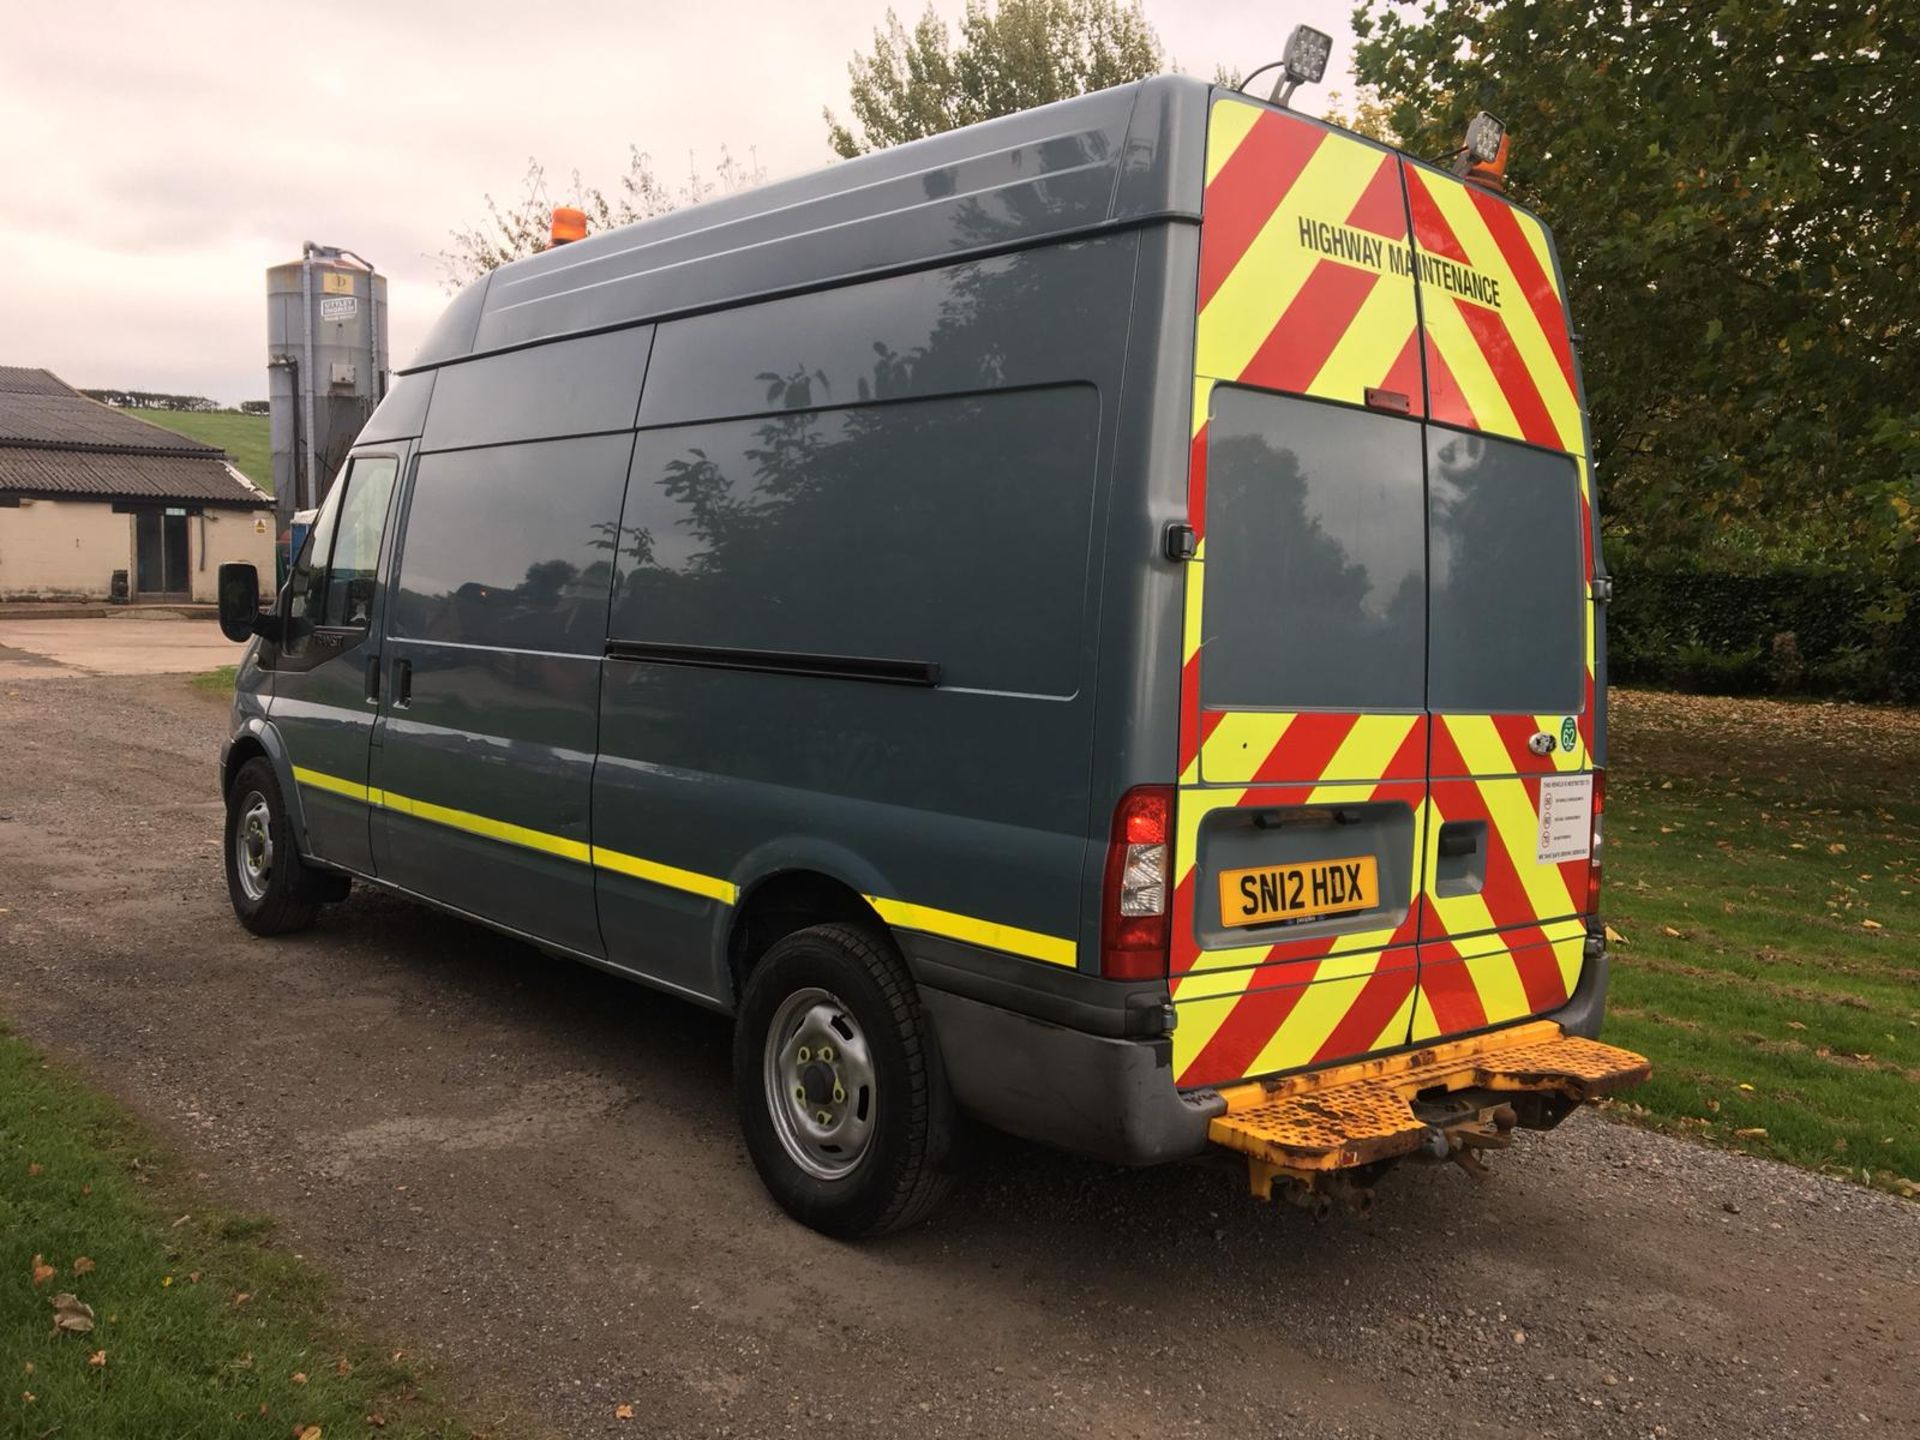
714, 888
483, 825
1030, 943
1035, 946
331, 783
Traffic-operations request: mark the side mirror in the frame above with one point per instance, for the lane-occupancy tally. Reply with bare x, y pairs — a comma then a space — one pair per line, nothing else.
240, 617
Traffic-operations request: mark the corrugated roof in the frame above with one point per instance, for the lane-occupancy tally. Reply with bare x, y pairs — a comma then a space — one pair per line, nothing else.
24, 380
73, 421
55, 441
194, 478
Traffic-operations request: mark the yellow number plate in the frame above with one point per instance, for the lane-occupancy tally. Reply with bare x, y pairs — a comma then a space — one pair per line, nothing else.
1269, 893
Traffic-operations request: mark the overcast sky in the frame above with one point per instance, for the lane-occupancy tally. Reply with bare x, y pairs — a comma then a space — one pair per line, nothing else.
158, 158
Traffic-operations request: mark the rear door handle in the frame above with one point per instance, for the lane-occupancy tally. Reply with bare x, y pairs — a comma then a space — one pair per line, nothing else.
373, 679
402, 683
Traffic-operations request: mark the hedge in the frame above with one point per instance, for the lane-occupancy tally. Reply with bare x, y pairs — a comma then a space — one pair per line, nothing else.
1802, 632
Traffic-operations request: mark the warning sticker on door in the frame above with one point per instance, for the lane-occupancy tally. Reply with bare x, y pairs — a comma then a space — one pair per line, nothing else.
1566, 818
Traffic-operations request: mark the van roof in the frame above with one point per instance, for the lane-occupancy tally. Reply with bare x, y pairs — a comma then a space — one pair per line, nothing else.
1096, 162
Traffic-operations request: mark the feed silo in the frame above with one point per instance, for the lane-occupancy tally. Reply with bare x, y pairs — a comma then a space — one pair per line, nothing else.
327, 362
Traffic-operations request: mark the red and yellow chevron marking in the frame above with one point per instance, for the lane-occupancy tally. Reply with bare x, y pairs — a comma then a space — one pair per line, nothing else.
1247, 1010
1308, 285
1305, 284
1505, 368
1467, 985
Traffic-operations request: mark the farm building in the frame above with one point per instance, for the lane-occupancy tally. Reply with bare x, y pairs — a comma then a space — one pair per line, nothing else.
97, 505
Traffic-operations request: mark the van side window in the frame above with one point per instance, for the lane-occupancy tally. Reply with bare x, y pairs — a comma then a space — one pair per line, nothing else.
951, 532
1508, 577
347, 601
1315, 588
511, 546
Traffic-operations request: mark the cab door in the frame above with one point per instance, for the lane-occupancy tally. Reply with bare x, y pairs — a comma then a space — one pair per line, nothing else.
326, 667
1304, 729
1511, 625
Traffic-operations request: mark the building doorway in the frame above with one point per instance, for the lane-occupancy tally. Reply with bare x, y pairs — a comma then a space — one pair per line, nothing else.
160, 555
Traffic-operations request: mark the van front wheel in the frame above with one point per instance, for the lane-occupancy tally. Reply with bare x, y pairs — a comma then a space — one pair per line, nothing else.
272, 889
841, 1094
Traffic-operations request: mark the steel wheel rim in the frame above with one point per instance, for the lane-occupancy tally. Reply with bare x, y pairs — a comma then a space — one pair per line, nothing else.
253, 846
820, 1090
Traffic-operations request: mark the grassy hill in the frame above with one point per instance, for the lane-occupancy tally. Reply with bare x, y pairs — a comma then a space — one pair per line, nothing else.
243, 437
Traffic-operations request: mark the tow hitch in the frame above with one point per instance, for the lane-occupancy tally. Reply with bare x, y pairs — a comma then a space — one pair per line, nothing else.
1325, 1137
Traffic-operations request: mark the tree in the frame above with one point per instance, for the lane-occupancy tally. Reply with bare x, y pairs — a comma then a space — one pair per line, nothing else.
1369, 117
1732, 186
521, 227
1021, 54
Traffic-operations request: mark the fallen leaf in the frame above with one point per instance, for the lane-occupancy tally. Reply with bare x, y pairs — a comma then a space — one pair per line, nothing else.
42, 1272
165, 1281
240, 1297
1714, 1106
27, 1397
312, 1432
83, 1266
181, 1221
97, 1359
299, 1377
34, 1167
1795, 1025
1752, 1132
1614, 937
1669, 930
1745, 1086
71, 1314
1836, 848
376, 1420
1871, 925
623, 1412
343, 1368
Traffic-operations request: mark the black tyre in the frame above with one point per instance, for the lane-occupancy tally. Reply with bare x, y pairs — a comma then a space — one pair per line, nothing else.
273, 890
841, 1092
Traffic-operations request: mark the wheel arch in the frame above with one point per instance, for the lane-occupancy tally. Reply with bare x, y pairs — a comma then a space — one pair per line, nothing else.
256, 739
783, 901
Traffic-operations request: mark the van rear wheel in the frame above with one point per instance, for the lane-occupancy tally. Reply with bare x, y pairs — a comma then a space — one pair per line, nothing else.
841, 1094
273, 890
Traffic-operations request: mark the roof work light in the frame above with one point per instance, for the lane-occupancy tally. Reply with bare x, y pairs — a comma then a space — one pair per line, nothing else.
1482, 160
1304, 61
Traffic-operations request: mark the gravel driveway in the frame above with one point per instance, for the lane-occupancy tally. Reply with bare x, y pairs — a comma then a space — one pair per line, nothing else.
529, 1171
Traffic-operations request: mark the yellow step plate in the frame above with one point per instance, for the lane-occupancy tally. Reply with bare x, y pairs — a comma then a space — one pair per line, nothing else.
1357, 1114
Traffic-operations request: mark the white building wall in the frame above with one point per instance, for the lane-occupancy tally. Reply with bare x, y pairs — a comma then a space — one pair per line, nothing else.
62, 549
69, 549
220, 537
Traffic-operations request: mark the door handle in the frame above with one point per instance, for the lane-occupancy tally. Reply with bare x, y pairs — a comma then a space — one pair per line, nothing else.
373, 679
402, 683
1460, 865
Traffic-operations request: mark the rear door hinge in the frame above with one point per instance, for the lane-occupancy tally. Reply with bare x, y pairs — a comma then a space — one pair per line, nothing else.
1602, 589
1180, 542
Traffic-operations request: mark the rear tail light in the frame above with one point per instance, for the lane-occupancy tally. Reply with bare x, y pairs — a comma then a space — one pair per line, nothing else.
1595, 851
1137, 899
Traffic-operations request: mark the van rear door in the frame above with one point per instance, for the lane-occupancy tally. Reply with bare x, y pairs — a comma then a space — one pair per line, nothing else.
1511, 625
1302, 800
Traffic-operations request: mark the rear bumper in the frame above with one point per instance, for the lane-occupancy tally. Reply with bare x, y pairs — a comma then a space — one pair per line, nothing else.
1107, 1098
1106, 1095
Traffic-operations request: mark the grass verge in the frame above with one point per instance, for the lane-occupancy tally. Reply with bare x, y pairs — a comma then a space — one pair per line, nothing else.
1763, 884
215, 682
198, 1326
